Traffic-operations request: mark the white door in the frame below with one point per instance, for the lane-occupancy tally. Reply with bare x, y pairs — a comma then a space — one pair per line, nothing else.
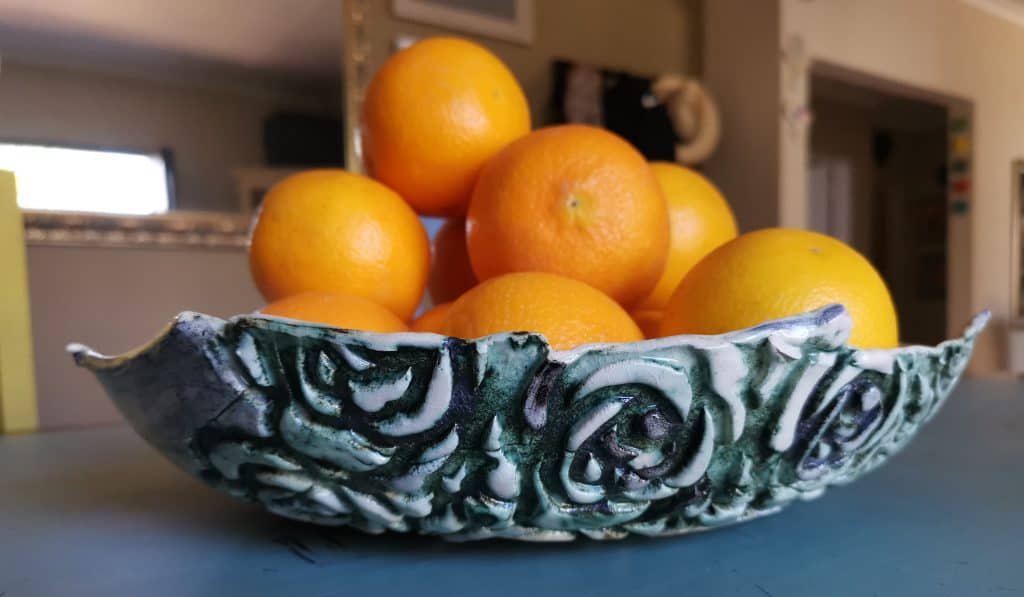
830, 210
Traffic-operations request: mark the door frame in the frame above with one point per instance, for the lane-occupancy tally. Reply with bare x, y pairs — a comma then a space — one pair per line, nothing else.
795, 150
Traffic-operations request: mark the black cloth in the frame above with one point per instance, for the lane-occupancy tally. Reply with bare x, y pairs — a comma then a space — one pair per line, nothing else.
627, 108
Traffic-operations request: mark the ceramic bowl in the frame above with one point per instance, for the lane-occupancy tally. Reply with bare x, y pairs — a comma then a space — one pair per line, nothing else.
504, 437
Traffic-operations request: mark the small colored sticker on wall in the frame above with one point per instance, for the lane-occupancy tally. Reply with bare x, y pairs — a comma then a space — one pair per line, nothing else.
959, 207
961, 145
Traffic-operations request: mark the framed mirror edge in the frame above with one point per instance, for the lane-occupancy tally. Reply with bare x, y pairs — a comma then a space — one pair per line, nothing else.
171, 230
355, 61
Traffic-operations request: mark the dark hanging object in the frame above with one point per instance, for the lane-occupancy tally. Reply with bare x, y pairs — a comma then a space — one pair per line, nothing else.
618, 101
291, 139
881, 147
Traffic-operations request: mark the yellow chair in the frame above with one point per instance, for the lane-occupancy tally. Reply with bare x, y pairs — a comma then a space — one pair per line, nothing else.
17, 376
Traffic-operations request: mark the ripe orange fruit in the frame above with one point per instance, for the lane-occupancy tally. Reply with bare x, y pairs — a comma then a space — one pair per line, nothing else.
433, 320
700, 221
433, 114
452, 275
339, 310
566, 311
572, 200
779, 272
649, 322
337, 232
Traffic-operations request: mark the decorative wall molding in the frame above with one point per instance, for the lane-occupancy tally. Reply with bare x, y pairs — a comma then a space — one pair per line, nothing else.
796, 112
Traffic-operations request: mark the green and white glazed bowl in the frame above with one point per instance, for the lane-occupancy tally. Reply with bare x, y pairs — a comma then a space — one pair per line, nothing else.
504, 437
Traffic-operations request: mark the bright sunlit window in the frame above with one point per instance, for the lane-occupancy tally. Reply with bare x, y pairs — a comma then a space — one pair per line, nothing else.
67, 179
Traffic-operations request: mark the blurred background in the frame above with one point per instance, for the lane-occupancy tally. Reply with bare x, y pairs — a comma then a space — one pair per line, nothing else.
143, 134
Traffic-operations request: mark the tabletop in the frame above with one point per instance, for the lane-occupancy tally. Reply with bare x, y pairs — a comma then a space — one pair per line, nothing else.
98, 512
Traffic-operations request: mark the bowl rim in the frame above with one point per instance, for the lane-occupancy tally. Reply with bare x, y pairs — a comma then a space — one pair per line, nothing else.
831, 322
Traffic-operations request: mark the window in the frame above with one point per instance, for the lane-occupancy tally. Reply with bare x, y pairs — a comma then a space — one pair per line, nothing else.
89, 180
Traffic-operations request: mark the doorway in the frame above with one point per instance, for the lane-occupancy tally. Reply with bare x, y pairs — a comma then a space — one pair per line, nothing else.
878, 172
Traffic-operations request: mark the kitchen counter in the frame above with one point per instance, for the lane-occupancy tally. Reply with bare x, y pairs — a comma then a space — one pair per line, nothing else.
98, 512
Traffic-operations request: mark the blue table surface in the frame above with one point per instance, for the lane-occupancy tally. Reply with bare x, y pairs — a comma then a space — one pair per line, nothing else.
98, 512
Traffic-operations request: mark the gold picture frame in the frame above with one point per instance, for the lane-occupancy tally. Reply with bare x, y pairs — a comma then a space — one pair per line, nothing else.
515, 23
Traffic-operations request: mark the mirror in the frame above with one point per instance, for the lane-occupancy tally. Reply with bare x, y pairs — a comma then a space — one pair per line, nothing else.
136, 121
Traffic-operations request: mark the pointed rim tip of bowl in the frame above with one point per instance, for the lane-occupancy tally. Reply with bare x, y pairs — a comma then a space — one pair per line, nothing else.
85, 356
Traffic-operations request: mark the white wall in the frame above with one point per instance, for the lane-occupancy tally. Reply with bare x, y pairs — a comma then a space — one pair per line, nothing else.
741, 49
114, 299
210, 129
952, 49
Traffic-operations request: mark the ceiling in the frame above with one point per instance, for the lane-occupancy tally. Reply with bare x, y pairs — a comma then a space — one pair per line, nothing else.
281, 37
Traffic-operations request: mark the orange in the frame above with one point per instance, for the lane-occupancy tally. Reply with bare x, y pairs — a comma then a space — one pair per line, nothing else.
649, 322
339, 310
452, 275
566, 311
779, 272
572, 200
433, 114
333, 231
433, 320
700, 221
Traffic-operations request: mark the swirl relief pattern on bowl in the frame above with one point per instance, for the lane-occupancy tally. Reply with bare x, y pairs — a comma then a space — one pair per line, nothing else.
502, 437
